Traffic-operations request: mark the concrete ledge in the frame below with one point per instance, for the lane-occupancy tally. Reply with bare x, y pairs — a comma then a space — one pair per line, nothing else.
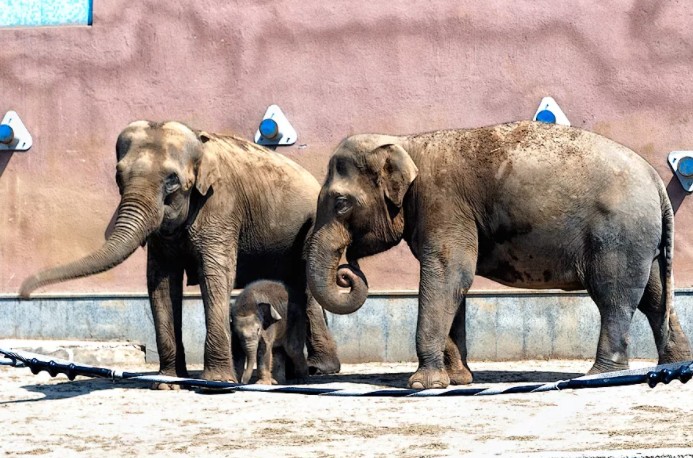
500, 325
92, 353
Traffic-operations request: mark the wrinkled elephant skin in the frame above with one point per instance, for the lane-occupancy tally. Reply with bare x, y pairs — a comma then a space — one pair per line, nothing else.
219, 208
526, 204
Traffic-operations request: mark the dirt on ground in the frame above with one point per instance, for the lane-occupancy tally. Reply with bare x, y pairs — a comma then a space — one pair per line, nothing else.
43, 416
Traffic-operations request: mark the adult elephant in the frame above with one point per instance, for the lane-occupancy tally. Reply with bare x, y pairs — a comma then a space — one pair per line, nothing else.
219, 208
526, 204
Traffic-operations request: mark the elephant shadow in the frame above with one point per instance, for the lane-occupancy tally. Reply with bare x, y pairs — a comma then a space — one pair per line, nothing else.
75, 388
81, 387
399, 379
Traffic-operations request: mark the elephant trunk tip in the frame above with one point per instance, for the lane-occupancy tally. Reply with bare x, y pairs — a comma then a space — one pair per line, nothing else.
28, 286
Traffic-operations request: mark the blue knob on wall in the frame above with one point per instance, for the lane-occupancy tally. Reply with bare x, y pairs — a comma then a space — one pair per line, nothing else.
269, 129
13, 134
681, 163
6, 134
275, 129
546, 116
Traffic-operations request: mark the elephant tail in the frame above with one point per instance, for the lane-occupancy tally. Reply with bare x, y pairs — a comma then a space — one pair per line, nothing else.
667, 247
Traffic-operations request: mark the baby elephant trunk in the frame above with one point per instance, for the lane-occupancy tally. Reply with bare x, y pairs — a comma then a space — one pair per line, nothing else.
250, 349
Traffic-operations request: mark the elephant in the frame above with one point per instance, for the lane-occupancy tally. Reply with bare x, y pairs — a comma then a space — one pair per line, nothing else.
526, 204
266, 316
218, 208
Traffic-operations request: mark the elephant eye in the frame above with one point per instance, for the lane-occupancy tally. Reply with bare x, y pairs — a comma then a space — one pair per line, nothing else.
342, 205
171, 183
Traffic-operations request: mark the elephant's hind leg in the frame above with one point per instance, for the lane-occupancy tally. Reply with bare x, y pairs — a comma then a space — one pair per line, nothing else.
456, 350
616, 282
672, 343
322, 349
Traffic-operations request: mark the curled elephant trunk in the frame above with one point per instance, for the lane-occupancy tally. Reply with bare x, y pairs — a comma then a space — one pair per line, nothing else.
326, 277
137, 218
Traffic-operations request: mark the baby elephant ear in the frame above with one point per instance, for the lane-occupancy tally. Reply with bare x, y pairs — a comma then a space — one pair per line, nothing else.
207, 169
268, 314
398, 173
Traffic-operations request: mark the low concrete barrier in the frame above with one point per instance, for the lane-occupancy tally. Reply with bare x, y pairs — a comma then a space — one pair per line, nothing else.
507, 325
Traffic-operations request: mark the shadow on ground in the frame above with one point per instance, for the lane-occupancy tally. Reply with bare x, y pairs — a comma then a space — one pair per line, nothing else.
399, 379
71, 389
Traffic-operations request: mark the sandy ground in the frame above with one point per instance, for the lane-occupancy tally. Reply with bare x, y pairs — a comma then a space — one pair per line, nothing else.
89, 417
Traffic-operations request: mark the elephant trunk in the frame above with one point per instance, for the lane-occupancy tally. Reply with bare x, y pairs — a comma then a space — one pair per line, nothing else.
250, 349
326, 276
137, 218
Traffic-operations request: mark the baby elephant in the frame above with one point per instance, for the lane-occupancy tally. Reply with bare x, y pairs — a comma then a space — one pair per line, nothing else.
263, 317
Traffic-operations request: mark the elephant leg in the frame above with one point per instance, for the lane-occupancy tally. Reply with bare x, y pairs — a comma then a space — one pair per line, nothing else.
280, 371
456, 349
237, 353
165, 287
672, 343
616, 282
216, 282
444, 282
322, 349
293, 346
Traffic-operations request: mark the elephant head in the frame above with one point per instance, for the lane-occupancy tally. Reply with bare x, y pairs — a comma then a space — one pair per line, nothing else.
250, 329
160, 167
360, 211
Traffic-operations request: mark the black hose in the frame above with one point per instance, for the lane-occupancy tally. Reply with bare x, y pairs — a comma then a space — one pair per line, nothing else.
682, 371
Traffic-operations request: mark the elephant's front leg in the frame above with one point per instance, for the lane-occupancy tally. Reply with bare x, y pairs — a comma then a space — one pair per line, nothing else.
165, 286
444, 282
216, 282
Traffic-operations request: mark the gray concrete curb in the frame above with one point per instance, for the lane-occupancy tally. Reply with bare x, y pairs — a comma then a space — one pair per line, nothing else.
118, 354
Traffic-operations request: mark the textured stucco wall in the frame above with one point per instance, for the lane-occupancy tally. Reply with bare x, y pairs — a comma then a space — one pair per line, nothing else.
340, 67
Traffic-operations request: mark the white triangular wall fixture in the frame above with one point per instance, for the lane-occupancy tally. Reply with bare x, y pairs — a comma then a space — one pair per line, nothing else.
681, 163
548, 104
286, 134
22, 138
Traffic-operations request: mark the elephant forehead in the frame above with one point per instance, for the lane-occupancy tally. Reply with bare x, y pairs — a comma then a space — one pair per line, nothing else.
135, 133
363, 143
177, 130
140, 125
245, 320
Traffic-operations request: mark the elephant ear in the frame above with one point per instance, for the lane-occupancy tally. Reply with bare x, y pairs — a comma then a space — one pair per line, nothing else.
268, 314
207, 168
398, 173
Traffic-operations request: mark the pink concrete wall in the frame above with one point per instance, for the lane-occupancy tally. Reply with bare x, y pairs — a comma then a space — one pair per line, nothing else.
622, 69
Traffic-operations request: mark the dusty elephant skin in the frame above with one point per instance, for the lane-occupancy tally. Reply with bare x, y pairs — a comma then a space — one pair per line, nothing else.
219, 208
526, 204
266, 316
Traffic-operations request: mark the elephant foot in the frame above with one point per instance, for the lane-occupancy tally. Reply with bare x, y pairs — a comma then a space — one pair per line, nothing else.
323, 364
458, 371
165, 387
677, 349
266, 381
182, 373
219, 375
602, 366
460, 376
426, 378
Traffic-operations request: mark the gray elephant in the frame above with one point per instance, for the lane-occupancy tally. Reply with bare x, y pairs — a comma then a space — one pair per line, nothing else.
266, 316
219, 208
526, 204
